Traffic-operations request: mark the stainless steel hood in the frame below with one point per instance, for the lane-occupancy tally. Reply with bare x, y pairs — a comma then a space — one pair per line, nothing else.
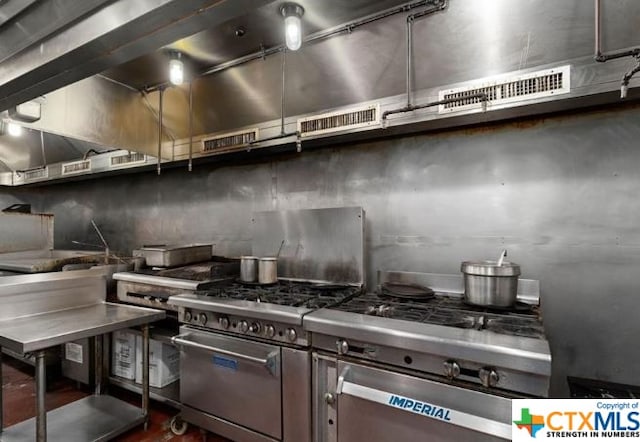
360, 69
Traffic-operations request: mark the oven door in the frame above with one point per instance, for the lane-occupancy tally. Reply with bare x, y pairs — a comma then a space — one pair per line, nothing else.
233, 379
376, 405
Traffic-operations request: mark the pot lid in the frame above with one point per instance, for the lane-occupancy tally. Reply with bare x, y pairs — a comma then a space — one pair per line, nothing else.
490, 268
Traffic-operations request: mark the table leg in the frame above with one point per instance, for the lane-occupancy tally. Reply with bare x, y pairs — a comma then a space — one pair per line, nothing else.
145, 374
1, 410
99, 375
41, 387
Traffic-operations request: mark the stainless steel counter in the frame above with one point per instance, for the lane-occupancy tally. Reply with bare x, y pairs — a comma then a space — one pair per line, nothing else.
43, 311
36, 261
44, 330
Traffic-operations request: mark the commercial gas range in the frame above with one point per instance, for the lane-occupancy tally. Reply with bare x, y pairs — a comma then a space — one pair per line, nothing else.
249, 379
389, 368
245, 358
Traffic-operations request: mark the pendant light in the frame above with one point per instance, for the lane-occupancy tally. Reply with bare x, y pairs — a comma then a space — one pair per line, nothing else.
176, 69
13, 129
292, 13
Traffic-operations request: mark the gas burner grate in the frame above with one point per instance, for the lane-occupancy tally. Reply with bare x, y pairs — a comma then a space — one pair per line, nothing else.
449, 311
291, 294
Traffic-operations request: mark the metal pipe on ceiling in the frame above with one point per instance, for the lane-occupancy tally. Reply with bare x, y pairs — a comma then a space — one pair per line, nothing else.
282, 134
44, 156
602, 57
484, 98
191, 125
284, 88
160, 105
599, 55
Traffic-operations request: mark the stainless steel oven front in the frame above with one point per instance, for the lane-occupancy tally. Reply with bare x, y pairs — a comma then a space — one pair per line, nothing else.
355, 402
243, 389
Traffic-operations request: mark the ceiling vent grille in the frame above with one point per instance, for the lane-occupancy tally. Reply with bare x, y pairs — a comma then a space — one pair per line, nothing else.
508, 89
76, 167
128, 158
36, 174
230, 141
339, 121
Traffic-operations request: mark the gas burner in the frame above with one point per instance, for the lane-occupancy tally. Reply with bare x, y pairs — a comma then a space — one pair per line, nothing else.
383, 310
450, 311
286, 293
514, 326
454, 319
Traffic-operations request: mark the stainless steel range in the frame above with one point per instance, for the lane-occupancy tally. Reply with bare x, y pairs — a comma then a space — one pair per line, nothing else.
389, 368
245, 356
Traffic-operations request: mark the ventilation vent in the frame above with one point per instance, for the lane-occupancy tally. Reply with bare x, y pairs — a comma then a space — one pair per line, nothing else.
76, 167
511, 89
128, 158
339, 121
36, 174
229, 141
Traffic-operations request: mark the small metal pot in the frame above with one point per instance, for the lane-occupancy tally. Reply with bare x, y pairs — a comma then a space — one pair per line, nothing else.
248, 268
489, 285
268, 270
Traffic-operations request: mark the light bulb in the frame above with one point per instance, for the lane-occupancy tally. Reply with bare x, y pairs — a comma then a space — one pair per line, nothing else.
176, 71
292, 13
293, 32
14, 129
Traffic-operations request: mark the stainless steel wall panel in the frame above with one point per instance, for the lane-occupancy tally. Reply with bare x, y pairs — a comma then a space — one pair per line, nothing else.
559, 193
22, 231
323, 244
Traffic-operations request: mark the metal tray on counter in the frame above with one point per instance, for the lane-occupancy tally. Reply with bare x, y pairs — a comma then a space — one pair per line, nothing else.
173, 255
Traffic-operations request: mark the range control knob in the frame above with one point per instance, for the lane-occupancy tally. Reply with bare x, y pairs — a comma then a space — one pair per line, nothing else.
291, 334
488, 376
255, 328
187, 316
270, 331
224, 322
244, 326
343, 346
451, 369
202, 319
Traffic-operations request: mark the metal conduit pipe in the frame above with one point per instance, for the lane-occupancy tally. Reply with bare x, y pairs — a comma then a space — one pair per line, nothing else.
624, 88
284, 84
160, 105
282, 134
438, 5
601, 57
191, 125
481, 96
44, 156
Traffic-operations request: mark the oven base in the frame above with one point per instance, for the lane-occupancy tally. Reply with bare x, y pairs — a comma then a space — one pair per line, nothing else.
222, 427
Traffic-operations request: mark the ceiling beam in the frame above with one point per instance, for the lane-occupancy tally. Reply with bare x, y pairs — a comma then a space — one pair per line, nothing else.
119, 32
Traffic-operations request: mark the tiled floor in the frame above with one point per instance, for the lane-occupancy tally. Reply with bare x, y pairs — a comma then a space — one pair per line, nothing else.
19, 405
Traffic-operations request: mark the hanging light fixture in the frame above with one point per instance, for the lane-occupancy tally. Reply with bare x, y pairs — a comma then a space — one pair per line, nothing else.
176, 69
292, 13
13, 129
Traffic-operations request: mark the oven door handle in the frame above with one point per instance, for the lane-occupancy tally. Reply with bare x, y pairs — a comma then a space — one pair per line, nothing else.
428, 410
269, 362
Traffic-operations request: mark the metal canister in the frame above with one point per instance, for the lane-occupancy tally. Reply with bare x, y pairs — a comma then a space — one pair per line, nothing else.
249, 268
488, 284
268, 270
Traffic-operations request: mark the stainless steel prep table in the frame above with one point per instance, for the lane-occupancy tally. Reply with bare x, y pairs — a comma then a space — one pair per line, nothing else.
95, 418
